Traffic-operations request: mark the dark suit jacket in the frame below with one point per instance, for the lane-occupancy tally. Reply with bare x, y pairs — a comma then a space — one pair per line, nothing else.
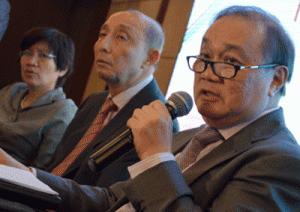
257, 169
116, 171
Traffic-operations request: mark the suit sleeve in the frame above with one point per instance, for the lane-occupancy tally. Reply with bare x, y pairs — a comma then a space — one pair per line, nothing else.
270, 183
266, 184
77, 197
167, 187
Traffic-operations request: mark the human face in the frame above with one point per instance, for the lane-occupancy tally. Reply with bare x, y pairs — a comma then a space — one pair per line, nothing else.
39, 73
121, 50
227, 102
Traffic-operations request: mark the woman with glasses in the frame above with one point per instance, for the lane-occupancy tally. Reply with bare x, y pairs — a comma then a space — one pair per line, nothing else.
35, 113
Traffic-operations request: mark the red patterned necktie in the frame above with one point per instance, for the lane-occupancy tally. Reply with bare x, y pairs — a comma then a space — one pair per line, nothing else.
88, 137
203, 138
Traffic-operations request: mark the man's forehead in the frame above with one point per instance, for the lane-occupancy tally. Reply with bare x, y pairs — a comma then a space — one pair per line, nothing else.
234, 34
124, 21
120, 26
233, 31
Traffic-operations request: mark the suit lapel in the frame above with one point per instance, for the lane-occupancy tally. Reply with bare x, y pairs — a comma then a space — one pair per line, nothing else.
90, 112
77, 128
218, 155
237, 144
118, 124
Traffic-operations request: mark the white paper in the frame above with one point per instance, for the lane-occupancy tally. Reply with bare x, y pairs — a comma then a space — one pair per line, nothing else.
24, 178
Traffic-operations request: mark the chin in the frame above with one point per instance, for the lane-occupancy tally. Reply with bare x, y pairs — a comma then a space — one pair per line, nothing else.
29, 83
219, 119
103, 75
211, 114
208, 110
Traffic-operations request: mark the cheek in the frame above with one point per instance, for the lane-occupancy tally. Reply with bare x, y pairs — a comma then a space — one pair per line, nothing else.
49, 69
96, 47
120, 56
124, 60
196, 84
236, 93
129, 61
22, 66
22, 63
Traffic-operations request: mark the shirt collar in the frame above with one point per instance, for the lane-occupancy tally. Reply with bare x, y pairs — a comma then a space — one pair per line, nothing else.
124, 97
228, 132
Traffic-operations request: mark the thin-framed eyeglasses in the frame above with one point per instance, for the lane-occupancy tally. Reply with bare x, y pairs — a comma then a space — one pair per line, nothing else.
41, 55
221, 69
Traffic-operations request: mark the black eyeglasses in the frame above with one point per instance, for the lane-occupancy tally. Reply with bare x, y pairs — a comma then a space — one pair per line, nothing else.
224, 70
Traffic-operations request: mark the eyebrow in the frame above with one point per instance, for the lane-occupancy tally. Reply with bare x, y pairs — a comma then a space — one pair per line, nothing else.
104, 27
124, 27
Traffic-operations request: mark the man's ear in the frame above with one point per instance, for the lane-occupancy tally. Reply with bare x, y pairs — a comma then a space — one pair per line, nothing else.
153, 57
280, 77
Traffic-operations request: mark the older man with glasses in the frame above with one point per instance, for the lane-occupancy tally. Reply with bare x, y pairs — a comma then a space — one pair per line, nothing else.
244, 158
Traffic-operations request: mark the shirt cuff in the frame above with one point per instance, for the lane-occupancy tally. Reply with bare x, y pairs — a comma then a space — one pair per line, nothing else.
148, 163
33, 171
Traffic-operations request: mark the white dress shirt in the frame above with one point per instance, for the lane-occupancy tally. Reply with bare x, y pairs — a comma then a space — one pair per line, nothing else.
124, 97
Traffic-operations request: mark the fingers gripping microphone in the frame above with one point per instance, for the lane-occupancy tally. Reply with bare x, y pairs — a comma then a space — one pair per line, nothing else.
179, 104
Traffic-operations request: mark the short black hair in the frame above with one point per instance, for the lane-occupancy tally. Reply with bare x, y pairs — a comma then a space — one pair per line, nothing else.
60, 45
278, 45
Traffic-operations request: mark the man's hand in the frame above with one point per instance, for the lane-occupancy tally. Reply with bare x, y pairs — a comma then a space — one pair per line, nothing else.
7, 160
151, 127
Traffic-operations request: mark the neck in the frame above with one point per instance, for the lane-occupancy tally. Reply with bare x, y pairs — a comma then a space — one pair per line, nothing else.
117, 88
35, 93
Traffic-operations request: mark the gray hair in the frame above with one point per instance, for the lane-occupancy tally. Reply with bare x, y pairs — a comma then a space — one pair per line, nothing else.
154, 34
278, 46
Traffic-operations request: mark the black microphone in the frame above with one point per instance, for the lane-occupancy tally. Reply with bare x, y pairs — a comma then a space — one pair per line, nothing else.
179, 104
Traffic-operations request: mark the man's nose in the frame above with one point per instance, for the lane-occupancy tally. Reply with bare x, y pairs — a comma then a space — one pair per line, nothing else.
209, 73
104, 44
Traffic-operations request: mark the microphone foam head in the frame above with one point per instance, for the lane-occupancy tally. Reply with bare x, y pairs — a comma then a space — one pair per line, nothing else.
182, 102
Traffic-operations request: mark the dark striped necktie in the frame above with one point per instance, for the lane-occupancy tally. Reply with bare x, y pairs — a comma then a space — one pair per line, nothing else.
203, 138
88, 137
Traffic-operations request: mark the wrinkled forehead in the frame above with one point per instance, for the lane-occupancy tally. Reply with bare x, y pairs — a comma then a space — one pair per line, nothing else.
235, 26
234, 32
